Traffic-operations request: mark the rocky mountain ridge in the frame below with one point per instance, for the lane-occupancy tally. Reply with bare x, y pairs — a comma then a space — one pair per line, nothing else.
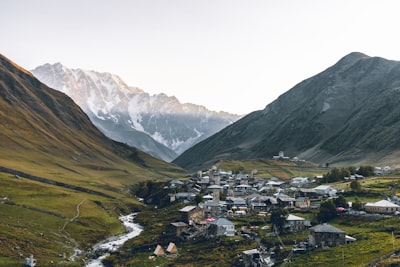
157, 124
346, 114
43, 127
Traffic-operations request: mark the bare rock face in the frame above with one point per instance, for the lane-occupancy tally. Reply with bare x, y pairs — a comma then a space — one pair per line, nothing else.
346, 114
157, 124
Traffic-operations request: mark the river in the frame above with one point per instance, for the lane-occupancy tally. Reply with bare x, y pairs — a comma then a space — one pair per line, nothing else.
112, 244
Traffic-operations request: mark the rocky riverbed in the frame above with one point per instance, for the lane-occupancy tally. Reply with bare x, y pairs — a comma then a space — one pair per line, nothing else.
103, 249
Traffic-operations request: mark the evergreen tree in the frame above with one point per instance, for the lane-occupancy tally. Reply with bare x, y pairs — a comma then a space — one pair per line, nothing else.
327, 211
356, 204
345, 172
355, 186
278, 218
198, 198
366, 171
352, 170
341, 202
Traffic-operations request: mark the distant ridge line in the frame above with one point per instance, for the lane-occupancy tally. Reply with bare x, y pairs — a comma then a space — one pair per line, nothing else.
48, 181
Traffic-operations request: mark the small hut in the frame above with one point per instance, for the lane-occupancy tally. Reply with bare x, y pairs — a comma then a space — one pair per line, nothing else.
159, 251
172, 248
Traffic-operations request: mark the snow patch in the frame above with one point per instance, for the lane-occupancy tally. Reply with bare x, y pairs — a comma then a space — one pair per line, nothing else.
326, 106
91, 102
159, 138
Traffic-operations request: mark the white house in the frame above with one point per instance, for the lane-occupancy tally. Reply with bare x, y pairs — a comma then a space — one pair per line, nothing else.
325, 190
242, 189
382, 206
299, 181
295, 223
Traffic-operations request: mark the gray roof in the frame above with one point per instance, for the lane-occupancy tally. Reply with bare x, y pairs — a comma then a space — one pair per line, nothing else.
251, 251
214, 187
222, 221
238, 201
301, 198
176, 182
187, 208
184, 194
179, 224
326, 228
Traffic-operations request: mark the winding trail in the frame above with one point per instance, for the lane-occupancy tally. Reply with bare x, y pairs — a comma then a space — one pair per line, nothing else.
75, 217
67, 236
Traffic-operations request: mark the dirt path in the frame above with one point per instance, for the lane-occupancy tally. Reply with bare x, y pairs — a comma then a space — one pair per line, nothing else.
68, 237
75, 217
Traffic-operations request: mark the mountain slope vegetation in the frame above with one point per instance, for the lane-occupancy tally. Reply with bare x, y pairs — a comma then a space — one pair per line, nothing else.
346, 114
63, 183
43, 127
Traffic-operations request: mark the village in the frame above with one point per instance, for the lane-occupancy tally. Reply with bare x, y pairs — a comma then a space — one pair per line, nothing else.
226, 196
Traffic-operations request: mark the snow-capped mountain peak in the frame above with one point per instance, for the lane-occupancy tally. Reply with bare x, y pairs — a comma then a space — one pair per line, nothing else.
157, 124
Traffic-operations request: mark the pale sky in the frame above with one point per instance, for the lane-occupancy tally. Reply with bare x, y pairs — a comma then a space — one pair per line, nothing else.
227, 55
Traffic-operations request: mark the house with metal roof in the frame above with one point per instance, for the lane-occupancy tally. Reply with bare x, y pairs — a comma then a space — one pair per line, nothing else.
323, 235
221, 227
295, 223
382, 206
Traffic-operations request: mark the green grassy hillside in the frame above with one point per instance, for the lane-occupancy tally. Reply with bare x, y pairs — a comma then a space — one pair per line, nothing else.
63, 184
273, 168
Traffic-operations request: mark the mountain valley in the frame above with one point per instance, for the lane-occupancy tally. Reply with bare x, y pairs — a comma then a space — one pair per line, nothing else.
53, 161
64, 183
156, 124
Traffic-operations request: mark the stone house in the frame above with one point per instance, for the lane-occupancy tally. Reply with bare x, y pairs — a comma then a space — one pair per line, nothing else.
284, 200
177, 228
325, 190
176, 184
222, 227
295, 223
323, 235
257, 203
191, 214
302, 202
299, 181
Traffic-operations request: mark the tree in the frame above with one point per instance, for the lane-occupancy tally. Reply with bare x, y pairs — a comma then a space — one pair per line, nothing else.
355, 186
356, 204
327, 211
341, 202
278, 218
198, 198
345, 172
366, 171
333, 176
352, 170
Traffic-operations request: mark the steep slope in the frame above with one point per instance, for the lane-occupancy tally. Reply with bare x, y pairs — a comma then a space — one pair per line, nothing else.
157, 124
43, 127
63, 184
346, 114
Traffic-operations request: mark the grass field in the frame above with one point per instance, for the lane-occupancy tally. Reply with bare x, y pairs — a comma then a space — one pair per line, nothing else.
266, 168
43, 220
374, 239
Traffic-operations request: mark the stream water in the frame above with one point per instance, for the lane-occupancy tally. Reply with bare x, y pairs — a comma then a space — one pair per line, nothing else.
112, 244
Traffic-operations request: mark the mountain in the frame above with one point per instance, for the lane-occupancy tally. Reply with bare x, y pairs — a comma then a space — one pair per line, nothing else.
43, 127
63, 183
347, 114
157, 124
